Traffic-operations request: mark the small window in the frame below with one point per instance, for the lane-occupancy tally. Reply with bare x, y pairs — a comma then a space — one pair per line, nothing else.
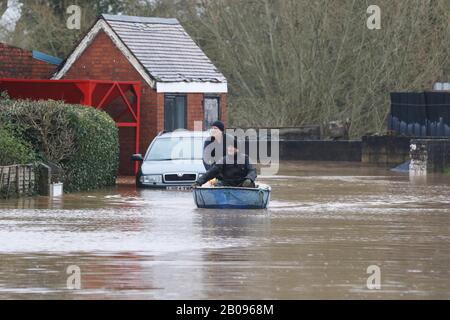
211, 110
174, 112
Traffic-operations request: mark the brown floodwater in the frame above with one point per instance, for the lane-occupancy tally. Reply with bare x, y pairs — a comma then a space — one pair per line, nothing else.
325, 225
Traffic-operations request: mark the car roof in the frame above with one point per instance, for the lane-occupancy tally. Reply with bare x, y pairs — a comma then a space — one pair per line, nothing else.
184, 134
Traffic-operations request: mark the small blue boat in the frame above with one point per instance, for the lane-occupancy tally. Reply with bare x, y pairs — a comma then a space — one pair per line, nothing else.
232, 197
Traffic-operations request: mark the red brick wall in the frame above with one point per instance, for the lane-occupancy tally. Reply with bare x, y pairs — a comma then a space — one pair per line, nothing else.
160, 111
127, 141
19, 63
42, 70
195, 108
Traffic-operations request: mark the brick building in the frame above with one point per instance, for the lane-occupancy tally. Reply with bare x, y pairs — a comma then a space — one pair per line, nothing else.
179, 83
24, 64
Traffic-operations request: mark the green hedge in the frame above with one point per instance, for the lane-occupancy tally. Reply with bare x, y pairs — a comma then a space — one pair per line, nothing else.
82, 140
13, 149
96, 161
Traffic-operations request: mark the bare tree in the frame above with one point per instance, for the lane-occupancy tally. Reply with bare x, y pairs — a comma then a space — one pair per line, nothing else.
288, 62
293, 62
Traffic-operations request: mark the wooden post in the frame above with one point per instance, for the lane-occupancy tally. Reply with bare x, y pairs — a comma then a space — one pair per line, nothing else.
17, 184
1, 178
9, 182
30, 186
44, 179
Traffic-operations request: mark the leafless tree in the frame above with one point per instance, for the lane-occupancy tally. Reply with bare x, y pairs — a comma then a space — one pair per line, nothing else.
289, 62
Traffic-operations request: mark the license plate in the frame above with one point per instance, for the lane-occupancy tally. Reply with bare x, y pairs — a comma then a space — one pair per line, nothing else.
179, 188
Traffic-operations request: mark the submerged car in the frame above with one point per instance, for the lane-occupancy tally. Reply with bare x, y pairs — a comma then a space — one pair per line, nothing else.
173, 159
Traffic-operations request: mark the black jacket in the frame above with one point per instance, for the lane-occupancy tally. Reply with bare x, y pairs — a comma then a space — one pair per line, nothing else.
209, 158
231, 171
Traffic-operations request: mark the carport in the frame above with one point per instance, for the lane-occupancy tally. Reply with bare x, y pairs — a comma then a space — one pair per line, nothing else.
120, 99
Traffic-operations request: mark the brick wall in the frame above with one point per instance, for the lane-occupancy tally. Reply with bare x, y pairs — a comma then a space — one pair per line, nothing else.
126, 140
19, 63
42, 70
195, 108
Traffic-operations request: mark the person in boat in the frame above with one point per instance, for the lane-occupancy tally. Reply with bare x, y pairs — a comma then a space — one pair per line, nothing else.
233, 170
215, 148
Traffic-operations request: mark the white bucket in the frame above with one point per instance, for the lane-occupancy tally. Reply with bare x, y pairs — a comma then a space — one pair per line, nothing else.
56, 190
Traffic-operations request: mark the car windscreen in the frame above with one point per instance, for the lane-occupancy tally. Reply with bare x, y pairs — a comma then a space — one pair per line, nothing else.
186, 148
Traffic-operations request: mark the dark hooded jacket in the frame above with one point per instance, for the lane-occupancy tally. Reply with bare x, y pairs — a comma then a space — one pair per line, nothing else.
209, 158
231, 170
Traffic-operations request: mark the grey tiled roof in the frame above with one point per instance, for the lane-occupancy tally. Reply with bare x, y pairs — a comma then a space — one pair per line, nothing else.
164, 48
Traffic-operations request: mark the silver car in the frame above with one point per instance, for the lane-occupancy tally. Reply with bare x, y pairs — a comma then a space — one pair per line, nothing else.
173, 159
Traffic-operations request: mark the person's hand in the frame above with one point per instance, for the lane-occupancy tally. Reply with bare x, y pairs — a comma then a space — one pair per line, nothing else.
248, 183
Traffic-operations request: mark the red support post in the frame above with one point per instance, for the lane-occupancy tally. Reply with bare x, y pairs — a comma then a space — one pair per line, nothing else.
137, 91
86, 90
90, 90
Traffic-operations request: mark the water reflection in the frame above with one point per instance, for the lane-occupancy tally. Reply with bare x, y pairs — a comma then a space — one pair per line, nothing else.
325, 225
238, 224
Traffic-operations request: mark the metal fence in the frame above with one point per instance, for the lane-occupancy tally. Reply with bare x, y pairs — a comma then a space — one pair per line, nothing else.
420, 114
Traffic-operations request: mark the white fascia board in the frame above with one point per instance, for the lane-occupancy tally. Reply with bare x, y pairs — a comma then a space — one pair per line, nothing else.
191, 87
87, 40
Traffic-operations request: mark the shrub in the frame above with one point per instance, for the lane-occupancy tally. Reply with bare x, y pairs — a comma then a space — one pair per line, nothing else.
82, 140
13, 149
96, 161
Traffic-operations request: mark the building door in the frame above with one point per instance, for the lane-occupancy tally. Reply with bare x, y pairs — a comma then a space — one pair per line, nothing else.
174, 112
211, 110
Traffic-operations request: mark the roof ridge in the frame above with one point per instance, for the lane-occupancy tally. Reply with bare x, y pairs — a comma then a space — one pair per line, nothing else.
136, 19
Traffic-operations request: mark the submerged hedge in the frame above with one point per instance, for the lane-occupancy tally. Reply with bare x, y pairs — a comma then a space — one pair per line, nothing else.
82, 140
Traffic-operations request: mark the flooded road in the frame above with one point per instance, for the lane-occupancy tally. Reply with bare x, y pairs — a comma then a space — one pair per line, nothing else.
325, 225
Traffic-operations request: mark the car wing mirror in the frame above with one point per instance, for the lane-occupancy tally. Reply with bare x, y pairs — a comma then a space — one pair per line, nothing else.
137, 157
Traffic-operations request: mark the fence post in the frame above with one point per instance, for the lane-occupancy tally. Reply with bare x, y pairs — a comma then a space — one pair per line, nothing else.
1, 178
8, 191
17, 184
44, 179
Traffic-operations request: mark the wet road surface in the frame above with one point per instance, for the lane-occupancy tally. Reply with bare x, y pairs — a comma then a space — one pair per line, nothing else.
325, 225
